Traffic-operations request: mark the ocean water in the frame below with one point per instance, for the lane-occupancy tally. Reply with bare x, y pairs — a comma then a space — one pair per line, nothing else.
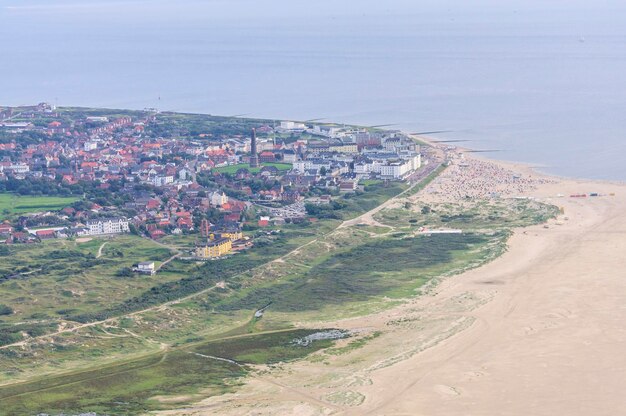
542, 82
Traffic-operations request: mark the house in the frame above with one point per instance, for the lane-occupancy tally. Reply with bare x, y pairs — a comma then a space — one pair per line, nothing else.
146, 267
155, 234
264, 221
45, 234
79, 231
214, 248
347, 185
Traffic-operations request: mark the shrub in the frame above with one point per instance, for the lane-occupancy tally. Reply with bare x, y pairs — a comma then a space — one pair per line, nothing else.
5, 310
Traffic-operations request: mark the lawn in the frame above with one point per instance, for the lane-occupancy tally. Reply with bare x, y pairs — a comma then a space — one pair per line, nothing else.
232, 169
11, 204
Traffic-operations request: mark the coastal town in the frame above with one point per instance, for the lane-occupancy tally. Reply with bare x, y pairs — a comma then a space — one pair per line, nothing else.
156, 174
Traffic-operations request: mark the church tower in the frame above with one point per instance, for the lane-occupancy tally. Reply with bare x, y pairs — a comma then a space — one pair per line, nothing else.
254, 157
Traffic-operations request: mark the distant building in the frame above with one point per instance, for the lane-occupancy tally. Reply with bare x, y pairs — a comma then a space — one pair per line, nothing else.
146, 267
19, 168
108, 226
267, 157
98, 119
326, 131
163, 180
290, 125
218, 199
289, 156
214, 248
88, 146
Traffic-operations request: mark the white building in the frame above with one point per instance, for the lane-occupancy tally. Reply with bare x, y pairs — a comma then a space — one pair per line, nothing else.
395, 167
146, 267
326, 131
19, 168
301, 166
162, 180
290, 125
89, 146
98, 119
217, 199
108, 226
185, 174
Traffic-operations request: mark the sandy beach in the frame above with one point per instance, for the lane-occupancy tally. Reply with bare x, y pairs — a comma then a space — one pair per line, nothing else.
538, 331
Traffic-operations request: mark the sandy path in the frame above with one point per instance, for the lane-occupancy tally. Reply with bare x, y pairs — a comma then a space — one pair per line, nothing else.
100, 249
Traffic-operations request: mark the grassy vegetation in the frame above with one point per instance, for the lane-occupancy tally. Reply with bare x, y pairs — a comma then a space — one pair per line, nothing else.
232, 169
359, 202
11, 204
495, 214
392, 267
46, 282
133, 387
370, 182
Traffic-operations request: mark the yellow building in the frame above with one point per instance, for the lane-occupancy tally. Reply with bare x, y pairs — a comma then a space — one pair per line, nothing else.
232, 235
214, 248
344, 148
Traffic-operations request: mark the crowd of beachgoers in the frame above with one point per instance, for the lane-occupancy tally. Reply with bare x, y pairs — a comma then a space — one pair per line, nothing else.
473, 178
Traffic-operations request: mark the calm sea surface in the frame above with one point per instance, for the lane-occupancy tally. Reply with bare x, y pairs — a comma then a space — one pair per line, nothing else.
544, 82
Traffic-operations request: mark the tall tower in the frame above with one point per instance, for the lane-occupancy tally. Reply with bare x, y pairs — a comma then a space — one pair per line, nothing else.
254, 157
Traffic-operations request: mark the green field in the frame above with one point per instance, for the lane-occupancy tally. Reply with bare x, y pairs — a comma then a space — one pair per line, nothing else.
11, 204
232, 169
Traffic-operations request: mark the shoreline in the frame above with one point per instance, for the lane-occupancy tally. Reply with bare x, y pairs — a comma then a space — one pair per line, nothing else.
526, 166
472, 336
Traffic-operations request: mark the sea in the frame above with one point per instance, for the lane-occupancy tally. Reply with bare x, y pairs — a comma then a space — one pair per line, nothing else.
541, 82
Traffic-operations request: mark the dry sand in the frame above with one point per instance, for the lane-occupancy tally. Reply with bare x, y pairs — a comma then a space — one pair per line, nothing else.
539, 331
